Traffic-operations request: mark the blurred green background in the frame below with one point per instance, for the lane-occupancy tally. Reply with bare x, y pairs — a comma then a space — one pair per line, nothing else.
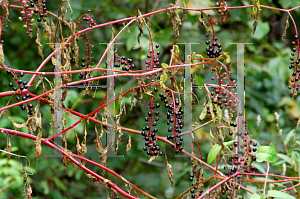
267, 77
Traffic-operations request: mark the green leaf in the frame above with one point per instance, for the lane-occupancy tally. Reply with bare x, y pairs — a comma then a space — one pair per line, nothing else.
258, 167
229, 143
219, 113
284, 157
213, 153
288, 137
274, 193
255, 196
203, 113
288, 4
262, 196
59, 184
267, 153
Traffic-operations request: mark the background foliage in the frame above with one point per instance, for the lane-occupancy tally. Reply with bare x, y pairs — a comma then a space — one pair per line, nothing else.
266, 72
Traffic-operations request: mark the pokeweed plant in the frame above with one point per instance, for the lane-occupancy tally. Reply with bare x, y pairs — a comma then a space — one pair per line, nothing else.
159, 86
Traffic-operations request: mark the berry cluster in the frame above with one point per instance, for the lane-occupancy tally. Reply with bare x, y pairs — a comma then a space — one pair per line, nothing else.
85, 64
39, 8
20, 85
152, 61
197, 190
91, 22
126, 64
223, 11
214, 48
243, 146
219, 98
149, 131
295, 66
174, 116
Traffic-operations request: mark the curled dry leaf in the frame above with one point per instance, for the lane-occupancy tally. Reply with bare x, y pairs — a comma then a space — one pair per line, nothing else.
66, 160
81, 148
287, 25
169, 170
66, 58
76, 51
100, 148
9, 147
128, 146
49, 28
254, 14
99, 182
4, 5
128, 187
1, 56
38, 42
140, 23
29, 191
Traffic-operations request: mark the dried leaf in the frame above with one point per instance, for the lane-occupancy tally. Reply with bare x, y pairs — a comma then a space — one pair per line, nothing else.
128, 187
254, 13
140, 23
100, 149
128, 146
66, 160
66, 58
49, 28
81, 148
29, 191
76, 51
169, 170
287, 25
9, 147
38, 41
176, 21
4, 5
1, 56
38, 146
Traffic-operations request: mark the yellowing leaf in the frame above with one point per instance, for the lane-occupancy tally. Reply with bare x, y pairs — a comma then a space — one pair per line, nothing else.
163, 78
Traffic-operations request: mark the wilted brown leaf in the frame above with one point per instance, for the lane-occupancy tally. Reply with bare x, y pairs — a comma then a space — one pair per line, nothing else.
9, 147
38, 41
29, 191
169, 170
81, 148
4, 5
100, 149
1, 56
128, 146
287, 25
140, 23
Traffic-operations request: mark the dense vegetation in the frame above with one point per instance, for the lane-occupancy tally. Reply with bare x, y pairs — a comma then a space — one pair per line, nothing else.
272, 113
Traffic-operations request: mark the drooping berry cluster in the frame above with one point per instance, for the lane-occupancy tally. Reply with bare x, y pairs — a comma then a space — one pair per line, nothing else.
126, 64
214, 48
198, 189
174, 116
21, 85
295, 66
149, 131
